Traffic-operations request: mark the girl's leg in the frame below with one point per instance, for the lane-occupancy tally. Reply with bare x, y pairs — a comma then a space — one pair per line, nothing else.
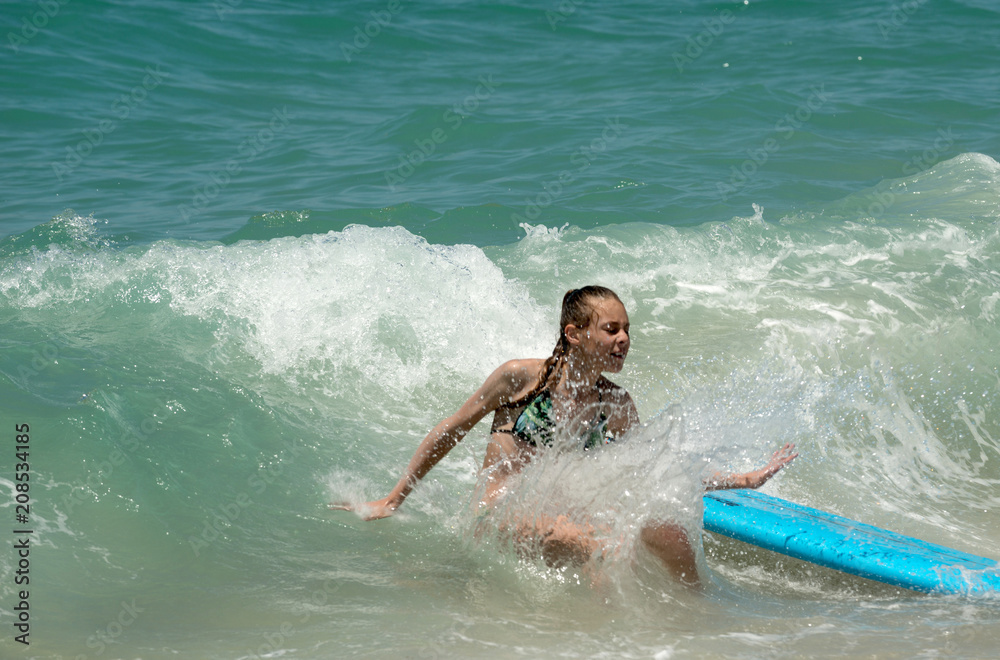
561, 541
670, 543
558, 540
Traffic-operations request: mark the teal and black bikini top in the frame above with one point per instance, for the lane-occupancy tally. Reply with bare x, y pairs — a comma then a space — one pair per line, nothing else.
536, 426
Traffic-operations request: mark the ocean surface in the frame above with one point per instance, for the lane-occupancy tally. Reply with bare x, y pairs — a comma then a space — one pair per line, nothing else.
251, 252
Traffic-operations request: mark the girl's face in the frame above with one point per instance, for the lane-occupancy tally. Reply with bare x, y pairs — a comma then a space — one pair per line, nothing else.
606, 339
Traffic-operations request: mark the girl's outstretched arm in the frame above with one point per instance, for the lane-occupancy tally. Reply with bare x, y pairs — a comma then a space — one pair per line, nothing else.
756, 478
499, 388
432, 449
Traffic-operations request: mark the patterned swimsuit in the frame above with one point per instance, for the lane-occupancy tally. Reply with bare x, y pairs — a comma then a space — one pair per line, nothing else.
536, 426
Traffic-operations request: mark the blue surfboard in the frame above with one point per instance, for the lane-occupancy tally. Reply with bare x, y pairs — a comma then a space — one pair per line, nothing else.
847, 545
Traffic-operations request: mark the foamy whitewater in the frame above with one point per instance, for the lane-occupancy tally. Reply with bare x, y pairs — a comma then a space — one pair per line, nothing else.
318, 228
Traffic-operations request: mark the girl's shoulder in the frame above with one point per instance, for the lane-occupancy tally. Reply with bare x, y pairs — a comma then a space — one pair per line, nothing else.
624, 416
523, 370
516, 377
612, 390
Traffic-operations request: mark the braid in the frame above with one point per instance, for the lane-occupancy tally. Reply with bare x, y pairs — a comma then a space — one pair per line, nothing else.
577, 309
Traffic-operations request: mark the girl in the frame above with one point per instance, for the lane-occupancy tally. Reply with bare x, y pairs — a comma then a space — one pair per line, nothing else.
529, 399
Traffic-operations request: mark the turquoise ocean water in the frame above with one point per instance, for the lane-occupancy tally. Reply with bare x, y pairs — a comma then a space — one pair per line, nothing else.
251, 252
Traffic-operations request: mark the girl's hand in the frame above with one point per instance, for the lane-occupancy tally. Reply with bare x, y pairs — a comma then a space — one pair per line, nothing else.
780, 459
756, 478
368, 510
